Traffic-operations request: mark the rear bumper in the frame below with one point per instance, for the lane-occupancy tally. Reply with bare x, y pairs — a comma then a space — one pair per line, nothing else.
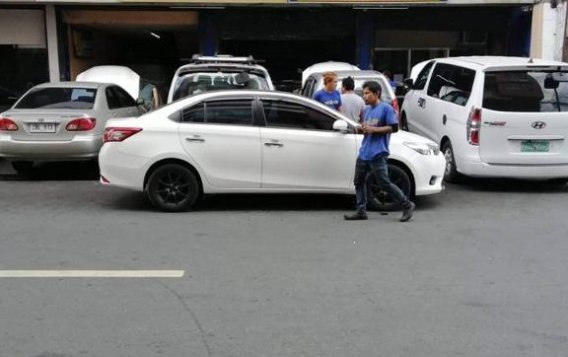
476, 168
79, 148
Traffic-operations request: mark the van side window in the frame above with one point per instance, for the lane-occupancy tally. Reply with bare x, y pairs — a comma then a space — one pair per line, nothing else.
422, 77
451, 83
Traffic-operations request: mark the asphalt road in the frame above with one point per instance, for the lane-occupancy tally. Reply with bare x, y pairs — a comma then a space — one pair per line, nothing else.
481, 270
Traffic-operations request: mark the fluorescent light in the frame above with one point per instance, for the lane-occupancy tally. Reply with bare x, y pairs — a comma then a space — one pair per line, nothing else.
155, 35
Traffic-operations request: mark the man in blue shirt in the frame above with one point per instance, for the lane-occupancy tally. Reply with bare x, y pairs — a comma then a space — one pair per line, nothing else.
378, 123
329, 95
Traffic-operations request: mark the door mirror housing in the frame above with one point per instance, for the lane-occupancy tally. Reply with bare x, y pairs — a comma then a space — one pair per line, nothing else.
409, 82
341, 126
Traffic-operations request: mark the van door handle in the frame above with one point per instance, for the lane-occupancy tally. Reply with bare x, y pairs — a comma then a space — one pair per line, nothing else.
195, 139
274, 144
422, 102
444, 119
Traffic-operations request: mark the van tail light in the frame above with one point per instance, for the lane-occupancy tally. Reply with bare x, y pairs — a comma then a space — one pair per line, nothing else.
119, 134
81, 124
8, 124
473, 125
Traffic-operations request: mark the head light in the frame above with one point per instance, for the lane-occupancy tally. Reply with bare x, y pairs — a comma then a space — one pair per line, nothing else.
423, 148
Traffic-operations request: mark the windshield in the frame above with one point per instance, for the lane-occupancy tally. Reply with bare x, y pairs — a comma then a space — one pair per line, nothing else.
524, 91
52, 98
195, 83
385, 93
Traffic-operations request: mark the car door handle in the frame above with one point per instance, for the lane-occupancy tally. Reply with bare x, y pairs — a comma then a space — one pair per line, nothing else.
274, 144
195, 139
444, 119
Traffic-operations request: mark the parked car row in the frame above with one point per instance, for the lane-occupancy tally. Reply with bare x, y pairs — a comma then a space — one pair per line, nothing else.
225, 129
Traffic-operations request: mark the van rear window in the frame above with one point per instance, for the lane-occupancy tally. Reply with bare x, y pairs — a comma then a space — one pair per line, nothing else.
524, 91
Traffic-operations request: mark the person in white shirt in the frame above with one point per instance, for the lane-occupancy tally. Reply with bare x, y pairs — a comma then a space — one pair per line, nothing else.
352, 104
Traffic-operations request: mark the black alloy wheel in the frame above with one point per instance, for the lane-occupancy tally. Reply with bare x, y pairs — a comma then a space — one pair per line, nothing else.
380, 200
451, 173
173, 188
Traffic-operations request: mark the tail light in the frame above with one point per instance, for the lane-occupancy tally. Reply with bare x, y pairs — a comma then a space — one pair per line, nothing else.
8, 124
473, 125
81, 124
119, 134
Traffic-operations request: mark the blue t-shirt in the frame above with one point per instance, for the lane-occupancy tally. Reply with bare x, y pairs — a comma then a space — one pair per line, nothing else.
332, 100
375, 145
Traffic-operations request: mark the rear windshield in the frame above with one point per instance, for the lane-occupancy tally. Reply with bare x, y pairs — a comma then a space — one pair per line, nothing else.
385, 92
53, 98
195, 83
523, 91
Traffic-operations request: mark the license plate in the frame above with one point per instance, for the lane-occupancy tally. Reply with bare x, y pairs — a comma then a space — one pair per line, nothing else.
42, 128
534, 146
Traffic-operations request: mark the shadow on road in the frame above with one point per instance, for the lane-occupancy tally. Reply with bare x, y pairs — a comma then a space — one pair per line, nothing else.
511, 185
53, 171
136, 201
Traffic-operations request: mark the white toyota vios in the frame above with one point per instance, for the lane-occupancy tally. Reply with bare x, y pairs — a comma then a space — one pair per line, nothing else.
253, 142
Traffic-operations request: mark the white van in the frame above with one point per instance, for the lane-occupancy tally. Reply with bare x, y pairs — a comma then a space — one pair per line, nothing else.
493, 116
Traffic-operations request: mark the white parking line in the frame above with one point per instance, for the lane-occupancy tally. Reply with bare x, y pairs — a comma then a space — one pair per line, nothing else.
92, 273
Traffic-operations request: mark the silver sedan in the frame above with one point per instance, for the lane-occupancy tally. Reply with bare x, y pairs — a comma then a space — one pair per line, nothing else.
61, 121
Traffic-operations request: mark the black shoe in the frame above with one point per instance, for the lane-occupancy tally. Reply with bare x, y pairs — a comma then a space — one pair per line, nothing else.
408, 212
355, 217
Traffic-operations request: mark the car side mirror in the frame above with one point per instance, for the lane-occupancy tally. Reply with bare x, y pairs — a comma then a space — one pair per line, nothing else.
551, 83
409, 82
341, 126
140, 101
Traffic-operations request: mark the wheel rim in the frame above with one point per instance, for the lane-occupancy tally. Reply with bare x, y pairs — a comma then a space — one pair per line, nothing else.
173, 188
449, 161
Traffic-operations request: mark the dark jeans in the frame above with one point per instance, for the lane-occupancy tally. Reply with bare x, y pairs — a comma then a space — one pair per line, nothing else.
379, 166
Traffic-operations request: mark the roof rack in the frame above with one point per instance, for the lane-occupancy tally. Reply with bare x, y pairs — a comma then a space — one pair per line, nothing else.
221, 58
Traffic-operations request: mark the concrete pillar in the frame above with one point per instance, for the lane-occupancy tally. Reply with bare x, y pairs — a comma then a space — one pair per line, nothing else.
548, 30
365, 34
52, 47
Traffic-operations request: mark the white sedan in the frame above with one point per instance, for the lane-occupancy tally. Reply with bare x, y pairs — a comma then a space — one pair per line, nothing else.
253, 142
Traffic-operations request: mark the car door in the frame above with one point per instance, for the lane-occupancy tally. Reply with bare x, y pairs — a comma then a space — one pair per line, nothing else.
302, 152
221, 139
415, 102
448, 93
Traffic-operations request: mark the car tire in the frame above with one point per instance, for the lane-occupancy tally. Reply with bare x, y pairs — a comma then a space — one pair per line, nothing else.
403, 122
173, 188
451, 173
378, 200
23, 168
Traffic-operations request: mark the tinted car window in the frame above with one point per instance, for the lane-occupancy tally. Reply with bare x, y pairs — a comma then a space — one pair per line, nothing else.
195, 114
282, 114
124, 98
196, 83
522, 91
113, 100
68, 98
422, 77
451, 83
231, 112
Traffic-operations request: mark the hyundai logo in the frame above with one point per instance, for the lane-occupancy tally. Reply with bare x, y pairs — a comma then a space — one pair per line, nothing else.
538, 125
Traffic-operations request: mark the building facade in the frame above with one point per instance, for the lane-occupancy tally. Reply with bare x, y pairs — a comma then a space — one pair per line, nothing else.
50, 41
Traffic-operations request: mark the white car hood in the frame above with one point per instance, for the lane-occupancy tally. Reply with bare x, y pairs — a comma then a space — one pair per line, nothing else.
119, 75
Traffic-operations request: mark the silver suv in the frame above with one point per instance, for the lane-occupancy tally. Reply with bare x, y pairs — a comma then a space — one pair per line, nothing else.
221, 72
